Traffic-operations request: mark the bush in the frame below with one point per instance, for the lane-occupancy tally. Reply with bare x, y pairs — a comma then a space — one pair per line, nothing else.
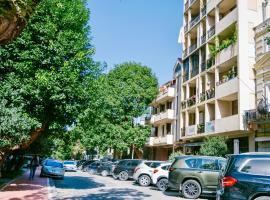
214, 146
175, 154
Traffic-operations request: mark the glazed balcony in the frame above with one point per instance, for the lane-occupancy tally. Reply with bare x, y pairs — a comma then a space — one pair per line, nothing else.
203, 66
163, 117
253, 116
210, 62
183, 132
194, 71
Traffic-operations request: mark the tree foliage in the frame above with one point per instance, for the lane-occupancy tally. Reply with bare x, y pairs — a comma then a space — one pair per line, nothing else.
214, 146
175, 154
122, 94
46, 73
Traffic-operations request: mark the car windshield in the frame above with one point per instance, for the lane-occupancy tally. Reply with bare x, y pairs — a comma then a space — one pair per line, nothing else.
69, 163
54, 164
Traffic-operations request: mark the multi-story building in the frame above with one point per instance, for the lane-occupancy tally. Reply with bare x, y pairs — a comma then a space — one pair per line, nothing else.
258, 120
218, 82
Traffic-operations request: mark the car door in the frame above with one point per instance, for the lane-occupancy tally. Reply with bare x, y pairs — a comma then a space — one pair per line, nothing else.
131, 165
209, 173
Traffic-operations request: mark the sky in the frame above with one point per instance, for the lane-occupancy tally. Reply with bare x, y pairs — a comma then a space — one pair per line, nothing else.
144, 31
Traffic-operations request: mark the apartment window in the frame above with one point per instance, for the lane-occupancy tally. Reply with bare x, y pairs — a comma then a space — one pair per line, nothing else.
235, 107
169, 105
162, 108
168, 128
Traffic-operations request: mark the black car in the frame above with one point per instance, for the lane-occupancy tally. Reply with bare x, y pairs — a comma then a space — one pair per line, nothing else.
125, 169
246, 177
106, 168
85, 165
92, 168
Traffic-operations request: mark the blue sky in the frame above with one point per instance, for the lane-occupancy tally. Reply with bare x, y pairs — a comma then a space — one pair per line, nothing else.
144, 31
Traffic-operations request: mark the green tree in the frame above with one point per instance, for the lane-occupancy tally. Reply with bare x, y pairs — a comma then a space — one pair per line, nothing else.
122, 94
175, 154
214, 146
46, 74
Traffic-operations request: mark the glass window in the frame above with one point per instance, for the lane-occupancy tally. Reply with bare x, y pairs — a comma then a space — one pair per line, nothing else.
209, 164
155, 164
54, 164
192, 163
133, 163
257, 166
222, 164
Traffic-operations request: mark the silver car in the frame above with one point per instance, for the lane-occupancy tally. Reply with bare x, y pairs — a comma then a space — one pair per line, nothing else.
70, 165
52, 168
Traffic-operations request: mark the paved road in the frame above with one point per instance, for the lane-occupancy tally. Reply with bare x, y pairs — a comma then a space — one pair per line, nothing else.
82, 186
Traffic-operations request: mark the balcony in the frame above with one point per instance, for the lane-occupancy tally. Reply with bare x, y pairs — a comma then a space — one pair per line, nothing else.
227, 53
209, 127
211, 4
203, 66
211, 31
226, 21
185, 53
186, 5
203, 39
227, 124
183, 132
253, 116
227, 87
185, 77
186, 28
184, 104
167, 94
200, 128
202, 97
194, 21
192, 48
190, 130
166, 140
210, 93
192, 1
194, 71
203, 11
163, 117
210, 62
191, 101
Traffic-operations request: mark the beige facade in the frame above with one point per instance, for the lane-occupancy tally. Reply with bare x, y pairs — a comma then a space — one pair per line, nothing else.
218, 71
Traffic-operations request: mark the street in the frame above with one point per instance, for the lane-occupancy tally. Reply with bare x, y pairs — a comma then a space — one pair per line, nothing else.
83, 186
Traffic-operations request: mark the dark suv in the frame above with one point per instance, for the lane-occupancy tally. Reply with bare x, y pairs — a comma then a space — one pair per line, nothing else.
195, 175
125, 169
246, 177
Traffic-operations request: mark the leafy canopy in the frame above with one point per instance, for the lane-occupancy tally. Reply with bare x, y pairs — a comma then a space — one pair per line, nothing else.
214, 146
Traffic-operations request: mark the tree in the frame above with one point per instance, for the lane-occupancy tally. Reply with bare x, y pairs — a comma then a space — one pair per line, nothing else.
214, 146
13, 17
123, 93
175, 154
46, 74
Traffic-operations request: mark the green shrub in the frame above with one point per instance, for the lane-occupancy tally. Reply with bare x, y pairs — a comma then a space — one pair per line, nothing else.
214, 146
175, 154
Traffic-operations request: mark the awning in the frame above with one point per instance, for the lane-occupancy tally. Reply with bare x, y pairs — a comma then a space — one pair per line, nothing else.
195, 144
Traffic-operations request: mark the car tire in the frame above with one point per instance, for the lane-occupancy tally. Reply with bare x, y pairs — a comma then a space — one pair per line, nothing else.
104, 173
262, 198
163, 184
191, 189
123, 176
144, 180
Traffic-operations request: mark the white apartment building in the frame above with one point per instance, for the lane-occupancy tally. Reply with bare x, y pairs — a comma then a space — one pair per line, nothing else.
218, 82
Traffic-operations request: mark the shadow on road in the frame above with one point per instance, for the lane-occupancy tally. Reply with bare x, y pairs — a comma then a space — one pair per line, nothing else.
112, 194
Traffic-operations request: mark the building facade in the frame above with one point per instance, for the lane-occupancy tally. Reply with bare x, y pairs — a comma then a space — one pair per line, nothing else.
218, 82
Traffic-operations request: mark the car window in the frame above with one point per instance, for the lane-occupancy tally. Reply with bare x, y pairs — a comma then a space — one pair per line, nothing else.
134, 163
210, 164
69, 163
155, 164
178, 163
54, 164
192, 163
257, 166
148, 163
166, 167
221, 164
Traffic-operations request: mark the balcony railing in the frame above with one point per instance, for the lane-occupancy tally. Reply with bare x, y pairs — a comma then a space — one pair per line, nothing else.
203, 66
209, 127
185, 77
227, 77
203, 11
203, 39
183, 131
187, 5
184, 104
194, 21
192, 47
211, 62
201, 128
195, 71
253, 116
191, 130
191, 101
186, 28
185, 53
210, 93
202, 96
211, 31
192, 1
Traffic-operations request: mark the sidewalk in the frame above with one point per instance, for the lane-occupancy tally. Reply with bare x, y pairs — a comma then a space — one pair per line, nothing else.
24, 189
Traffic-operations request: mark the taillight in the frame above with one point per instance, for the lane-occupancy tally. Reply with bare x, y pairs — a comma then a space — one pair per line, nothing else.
171, 169
228, 181
155, 171
136, 169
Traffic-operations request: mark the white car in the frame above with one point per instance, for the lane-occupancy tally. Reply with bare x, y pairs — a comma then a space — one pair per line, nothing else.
143, 172
160, 176
70, 165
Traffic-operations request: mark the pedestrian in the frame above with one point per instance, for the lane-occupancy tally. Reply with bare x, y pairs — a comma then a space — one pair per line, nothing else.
33, 166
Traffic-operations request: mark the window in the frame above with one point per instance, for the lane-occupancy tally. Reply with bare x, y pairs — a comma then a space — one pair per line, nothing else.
155, 164
209, 164
168, 128
169, 105
192, 163
257, 166
134, 163
235, 107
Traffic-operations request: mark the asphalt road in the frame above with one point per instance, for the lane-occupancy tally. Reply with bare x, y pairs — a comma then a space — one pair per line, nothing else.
83, 186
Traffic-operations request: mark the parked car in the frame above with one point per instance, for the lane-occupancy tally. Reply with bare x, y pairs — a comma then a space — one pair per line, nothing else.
142, 173
125, 169
106, 168
52, 168
92, 168
80, 162
85, 165
70, 165
246, 177
195, 175
160, 176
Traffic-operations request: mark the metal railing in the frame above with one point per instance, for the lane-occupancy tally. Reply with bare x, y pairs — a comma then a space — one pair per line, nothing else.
203, 66
202, 96
210, 93
211, 62
191, 101
203, 11
211, 31
203, 39
195, 71
187, 5
186, 28
185, 53
192, 47
252, 116
194, 20
201, 128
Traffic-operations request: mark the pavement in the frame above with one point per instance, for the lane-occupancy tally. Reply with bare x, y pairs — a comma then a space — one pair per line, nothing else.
24, 189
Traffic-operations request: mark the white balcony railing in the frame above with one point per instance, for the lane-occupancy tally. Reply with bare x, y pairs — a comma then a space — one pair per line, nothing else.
167, 94
227, 53
225, 22
191, 130
166, 116
227, 124
227, 88
168, 139
210, 127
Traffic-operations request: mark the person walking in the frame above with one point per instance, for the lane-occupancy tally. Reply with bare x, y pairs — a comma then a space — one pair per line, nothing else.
33, 166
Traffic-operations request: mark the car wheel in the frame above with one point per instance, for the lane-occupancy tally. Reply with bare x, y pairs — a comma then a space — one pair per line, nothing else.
163, 184
123, 176
191, 189
104, 173
91, 171
262, 198
144, 180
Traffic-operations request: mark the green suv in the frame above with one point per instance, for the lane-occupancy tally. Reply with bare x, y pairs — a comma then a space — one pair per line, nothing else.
195, 175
